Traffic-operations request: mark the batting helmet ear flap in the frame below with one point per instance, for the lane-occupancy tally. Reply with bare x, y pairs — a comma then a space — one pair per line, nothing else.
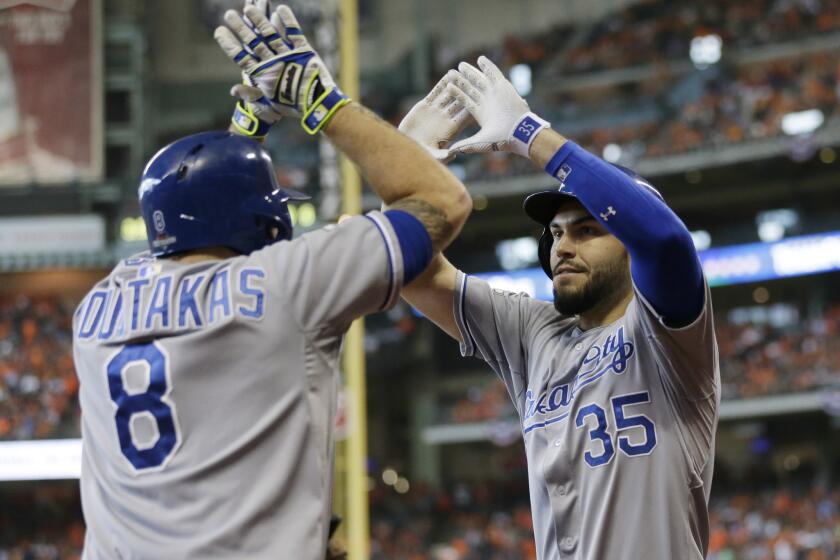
544, 251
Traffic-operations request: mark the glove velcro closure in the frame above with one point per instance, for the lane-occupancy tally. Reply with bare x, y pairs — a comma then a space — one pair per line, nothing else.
324, 105
247, 123
524, 132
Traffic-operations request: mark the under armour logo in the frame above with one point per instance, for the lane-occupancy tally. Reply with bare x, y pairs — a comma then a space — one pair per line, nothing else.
610, 212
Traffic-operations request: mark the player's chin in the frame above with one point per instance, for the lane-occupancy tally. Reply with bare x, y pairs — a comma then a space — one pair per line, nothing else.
569, 281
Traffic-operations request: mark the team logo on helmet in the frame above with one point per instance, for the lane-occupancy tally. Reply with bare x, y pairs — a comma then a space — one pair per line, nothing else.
160, 223
160, 227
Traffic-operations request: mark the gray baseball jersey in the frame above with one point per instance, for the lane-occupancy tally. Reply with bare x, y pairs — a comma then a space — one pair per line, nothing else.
208, 394
618, 422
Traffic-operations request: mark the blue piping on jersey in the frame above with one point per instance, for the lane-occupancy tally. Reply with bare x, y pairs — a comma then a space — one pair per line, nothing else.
415, 243
546, 423
464, 321
391, 272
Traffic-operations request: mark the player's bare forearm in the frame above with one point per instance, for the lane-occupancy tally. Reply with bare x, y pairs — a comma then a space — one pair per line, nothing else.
545, 145
433, 293
402, 173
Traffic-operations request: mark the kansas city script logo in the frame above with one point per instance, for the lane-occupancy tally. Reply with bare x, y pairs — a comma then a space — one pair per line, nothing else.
552, 405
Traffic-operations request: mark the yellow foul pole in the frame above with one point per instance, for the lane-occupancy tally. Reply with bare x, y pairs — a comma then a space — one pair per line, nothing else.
358, 531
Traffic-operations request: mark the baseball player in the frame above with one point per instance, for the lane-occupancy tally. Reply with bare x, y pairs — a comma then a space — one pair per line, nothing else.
209, 364
616, 383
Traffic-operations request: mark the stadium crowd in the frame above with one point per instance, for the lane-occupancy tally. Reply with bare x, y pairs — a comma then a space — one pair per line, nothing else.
38, 383
657, 31
734, 105
739, 105
779, 524
760, 360
671, 111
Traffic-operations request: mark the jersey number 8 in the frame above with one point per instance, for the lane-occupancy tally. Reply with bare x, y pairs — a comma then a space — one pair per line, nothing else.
152, 402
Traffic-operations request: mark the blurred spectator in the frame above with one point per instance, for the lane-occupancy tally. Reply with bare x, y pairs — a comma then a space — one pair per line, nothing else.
41, 522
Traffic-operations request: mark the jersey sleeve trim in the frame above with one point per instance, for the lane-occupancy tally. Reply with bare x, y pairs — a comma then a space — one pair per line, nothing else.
460, 309
392, 250
415, 243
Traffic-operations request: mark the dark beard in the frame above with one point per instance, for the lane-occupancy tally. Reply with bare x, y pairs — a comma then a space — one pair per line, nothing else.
604, 285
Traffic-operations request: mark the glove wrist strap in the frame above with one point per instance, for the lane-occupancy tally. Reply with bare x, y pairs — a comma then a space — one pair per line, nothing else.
246, 123
322, 110
524, 132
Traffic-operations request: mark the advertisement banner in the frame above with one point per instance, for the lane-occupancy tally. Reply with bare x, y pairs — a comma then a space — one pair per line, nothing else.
50, 92
42, 235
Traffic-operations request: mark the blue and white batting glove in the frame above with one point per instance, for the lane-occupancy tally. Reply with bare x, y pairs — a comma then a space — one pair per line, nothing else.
506, 121
282, 66
253, 115
436, 119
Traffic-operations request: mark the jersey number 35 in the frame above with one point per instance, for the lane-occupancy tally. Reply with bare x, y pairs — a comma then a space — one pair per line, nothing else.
600, 437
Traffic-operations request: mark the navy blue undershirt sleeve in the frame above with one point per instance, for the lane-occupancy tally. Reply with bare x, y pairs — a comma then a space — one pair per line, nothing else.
664, 263
415, 243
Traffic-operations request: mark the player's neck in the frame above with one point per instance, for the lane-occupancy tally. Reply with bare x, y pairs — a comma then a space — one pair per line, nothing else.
203, 254
606, 312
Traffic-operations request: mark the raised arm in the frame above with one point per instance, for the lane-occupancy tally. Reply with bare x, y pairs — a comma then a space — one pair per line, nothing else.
433, 293
663, 261
402, 173
433, 122
283, 72
664, 264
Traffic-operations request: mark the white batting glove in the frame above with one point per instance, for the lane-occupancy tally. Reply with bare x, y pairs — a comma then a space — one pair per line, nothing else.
281, 67
507, 123
436, 119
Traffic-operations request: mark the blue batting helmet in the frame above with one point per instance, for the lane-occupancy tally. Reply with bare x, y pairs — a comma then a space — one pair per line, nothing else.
542, 207
213, 189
